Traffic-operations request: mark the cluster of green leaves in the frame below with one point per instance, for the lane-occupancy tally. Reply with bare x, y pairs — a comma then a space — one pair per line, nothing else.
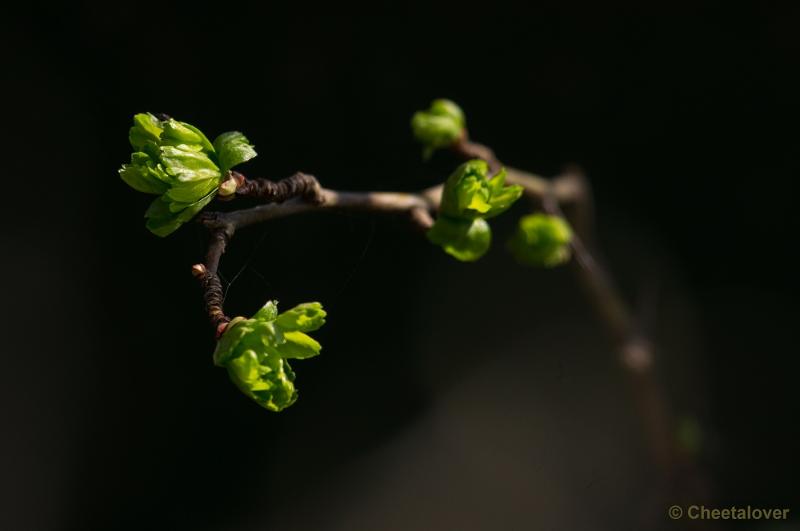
439, 126
541, 240
176, 161
469, 198
257, 351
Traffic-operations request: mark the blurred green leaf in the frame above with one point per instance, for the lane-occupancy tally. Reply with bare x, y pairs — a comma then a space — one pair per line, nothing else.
439, 126
689, 435
541, 240
465, 239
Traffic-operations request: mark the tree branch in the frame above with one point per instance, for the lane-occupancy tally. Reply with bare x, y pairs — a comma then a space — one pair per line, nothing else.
207, 275
302, 193
567, 196
298, 185
680, 474
377, 202
635, 353
297, 194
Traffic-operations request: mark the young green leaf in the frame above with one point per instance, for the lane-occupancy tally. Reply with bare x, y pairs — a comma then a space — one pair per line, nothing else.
305, 317
465, 239
299, 346
146, 129
234, 332
469, 193
256, 351
176, 161
188, 192
268, 312
268, 381
233, 149
541, 240
141, 178
165, 216
469, 198
177, 133
501, 196
188, 163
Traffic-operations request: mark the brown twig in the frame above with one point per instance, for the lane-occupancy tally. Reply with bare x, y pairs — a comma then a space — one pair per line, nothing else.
297, 194
302, 193
298, 185
207, 274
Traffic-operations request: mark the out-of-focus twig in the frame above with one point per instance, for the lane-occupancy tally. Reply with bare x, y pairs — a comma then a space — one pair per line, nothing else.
570, 192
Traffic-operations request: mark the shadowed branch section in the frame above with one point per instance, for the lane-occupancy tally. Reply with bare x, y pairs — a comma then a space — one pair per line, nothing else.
208, 276
298, 185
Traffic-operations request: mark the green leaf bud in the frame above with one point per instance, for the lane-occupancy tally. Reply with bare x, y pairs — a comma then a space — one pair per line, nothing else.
469, 193
465, 239
439, 126
257, 351
176, 161
469, 198
541, 240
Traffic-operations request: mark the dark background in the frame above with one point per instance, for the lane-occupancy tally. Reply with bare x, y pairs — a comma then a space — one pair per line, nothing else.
113, 416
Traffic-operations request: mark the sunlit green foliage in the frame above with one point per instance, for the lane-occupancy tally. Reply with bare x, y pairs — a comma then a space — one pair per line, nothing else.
257, 351
176, 161
468, 199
